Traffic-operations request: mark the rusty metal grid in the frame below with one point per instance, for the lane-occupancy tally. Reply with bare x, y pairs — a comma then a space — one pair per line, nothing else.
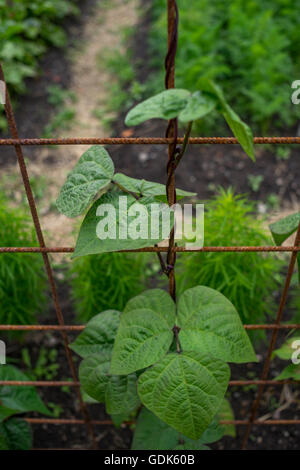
172, 140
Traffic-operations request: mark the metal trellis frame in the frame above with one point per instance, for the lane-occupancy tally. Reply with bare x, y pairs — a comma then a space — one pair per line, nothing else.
171, 140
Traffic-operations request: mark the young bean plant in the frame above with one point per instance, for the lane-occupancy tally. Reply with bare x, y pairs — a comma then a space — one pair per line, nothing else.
169, 356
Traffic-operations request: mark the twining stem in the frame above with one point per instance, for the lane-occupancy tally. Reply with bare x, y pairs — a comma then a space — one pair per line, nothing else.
125, 190
176, 330
185, 143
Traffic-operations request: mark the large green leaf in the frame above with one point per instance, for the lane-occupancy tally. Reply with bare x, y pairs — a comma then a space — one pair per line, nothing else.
98, 335
147, 188
92, 173
185, 390
284, 228
18, 399
15, 434
118, 392
151, 433
210, 323
198, 105
145, 332
120, 222
165, 105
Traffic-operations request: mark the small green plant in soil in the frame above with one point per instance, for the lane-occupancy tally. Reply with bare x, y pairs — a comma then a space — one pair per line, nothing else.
107, 280
45, 366
15, 432
22, 275
249, 279
171, 356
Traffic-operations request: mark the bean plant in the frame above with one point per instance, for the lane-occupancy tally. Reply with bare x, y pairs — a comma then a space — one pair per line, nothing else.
169, 356
15, 432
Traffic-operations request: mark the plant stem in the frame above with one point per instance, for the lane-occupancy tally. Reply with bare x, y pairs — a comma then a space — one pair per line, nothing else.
125, 190
185, 143
176, 330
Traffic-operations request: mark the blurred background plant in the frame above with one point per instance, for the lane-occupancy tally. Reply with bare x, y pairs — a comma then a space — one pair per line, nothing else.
22, 276
106, 281
250, 47
248, 279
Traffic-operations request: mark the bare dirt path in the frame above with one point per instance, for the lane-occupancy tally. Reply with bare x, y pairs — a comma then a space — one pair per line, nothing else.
101, 34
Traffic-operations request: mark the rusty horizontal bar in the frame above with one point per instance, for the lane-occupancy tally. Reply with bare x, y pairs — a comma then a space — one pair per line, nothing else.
271, 326
145, 141
42, 327
62, 383
39, 383
237, 422
155, 249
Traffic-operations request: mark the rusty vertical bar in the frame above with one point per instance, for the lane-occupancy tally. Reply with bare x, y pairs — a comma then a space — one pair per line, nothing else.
23, 169
171, 132
272, 341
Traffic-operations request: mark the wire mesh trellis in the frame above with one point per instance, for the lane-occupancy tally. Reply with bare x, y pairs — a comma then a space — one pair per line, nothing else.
172, 140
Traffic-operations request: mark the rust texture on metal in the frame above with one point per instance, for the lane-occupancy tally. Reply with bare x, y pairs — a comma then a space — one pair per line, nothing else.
172, 141
149, 249
146, 141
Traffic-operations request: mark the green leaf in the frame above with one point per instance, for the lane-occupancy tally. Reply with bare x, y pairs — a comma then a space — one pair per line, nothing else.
165, 105
151, 433
19, 399
118, 392
198, 105
145, 332
121, 222
210, 323
284, 228
239, 128
192, 445
147, 188
92, 173
292, 371
286, 351
185, 390
226, 414
98, 335
15, 434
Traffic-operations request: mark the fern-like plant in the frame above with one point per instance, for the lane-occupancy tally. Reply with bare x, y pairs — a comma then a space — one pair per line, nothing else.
22, 276
247, 279
104, 281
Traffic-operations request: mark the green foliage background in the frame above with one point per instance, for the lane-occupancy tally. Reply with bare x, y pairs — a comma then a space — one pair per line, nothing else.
249, 279
22, 275
249, 47
27, 29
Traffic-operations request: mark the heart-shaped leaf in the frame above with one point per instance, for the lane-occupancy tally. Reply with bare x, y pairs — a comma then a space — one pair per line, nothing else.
147, 188
98, 335
18, 399
198, 105
185, 390
92, 173
145, 332
118, 392
284, 228
165, 105
120, 227
210, 323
